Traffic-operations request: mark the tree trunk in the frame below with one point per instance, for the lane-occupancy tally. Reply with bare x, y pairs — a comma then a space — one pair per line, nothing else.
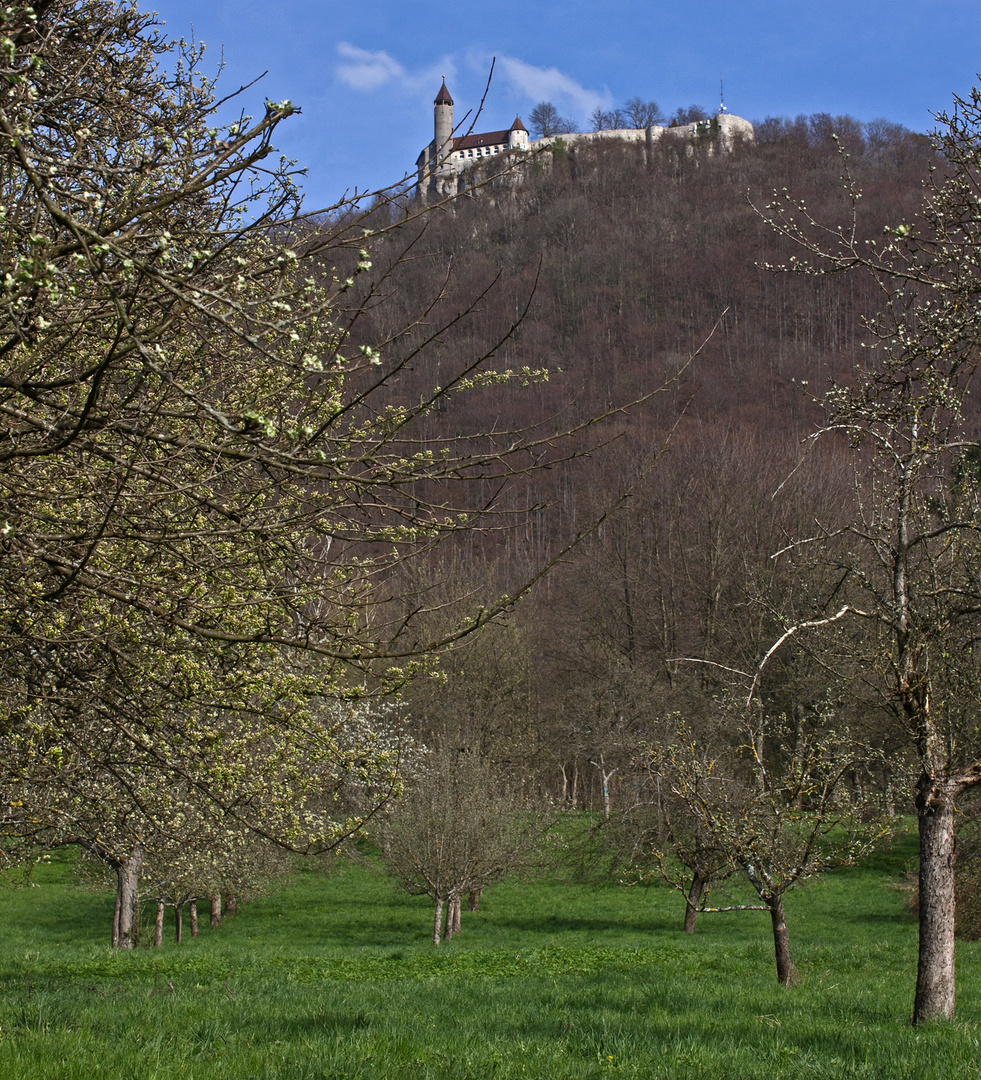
691, 904
116, 908
193, 907
786, 972
888, 796
448, 930
453, 916
216, 911
605, 778
178, 921
438, 921
231, 905
935, 965
158, 926
473, 900
127, 889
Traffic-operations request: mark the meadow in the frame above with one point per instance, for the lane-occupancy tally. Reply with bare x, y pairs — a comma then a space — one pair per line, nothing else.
335, 976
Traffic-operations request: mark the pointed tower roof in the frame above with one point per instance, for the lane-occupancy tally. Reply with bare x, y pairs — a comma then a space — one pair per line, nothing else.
443, 97
517, 125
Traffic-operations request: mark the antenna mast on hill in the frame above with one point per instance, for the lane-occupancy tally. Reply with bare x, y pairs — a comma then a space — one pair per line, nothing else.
722, 95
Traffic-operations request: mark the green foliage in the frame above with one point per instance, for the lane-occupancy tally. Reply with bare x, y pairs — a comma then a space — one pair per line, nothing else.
210, 467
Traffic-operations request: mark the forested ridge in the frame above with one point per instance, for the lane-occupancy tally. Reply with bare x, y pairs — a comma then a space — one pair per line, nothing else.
636, 275
633, 262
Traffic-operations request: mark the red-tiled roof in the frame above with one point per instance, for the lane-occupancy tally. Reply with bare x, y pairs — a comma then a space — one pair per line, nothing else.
517, 125
488, 138
443, 97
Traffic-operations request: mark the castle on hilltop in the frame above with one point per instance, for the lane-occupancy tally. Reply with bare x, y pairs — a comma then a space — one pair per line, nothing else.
442, 165
448, 155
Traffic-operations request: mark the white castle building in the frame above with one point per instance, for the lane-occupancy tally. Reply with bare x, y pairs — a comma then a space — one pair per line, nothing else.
440, 165
448, 155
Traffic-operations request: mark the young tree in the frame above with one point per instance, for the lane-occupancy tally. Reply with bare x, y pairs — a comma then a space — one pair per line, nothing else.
684, 839
911, 576
457, 830
774, 807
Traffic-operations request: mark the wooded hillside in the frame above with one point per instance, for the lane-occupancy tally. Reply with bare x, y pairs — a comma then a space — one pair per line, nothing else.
624, 275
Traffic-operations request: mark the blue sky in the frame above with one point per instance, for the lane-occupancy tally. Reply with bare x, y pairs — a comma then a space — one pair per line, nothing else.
365, 72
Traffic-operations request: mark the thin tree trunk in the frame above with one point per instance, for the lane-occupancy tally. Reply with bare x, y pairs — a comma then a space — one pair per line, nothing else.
438, 921
889, 795
606, 795
127, 886
786, 972
605, 778
231, 905
692, 902
116, 908
178, 921
193, 907
158, 926
216, 911
935, 966
473, 900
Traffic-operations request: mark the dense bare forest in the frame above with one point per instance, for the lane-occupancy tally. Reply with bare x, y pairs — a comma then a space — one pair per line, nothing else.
619, 276
704, 315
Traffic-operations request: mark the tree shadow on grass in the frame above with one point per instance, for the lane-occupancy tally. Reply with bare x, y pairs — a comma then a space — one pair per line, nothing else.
559, 924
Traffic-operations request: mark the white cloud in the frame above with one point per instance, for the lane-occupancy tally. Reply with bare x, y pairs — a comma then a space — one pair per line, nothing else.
366, 70
549, 84
363, 69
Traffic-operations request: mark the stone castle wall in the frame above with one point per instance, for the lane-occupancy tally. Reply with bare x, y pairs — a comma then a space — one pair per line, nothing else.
443, 172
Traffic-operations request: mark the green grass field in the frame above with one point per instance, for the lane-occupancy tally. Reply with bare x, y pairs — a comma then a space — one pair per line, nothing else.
334, 976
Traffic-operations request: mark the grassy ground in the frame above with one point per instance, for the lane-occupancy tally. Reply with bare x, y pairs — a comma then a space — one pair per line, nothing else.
335, 977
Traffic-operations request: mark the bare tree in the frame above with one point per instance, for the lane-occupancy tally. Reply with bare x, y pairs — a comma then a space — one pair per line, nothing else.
690, 114
546, 121
643, 114
600, 119
611, 120
457, 830
773, 806
912, 576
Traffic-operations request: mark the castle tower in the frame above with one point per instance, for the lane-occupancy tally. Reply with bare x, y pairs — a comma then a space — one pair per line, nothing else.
518, 135
443, 122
